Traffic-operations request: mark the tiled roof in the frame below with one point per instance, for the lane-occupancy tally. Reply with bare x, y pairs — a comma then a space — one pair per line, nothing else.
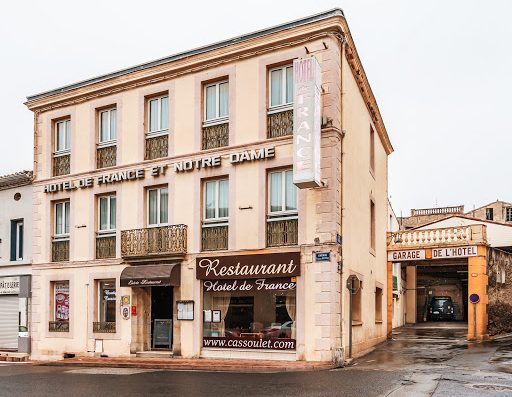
17, 179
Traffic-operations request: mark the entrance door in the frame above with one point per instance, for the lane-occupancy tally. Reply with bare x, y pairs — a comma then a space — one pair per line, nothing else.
161, 317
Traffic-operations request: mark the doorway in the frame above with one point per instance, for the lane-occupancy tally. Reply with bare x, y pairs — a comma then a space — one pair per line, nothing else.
161, 318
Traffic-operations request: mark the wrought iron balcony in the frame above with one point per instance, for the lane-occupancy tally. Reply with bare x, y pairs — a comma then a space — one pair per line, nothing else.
214, 238
215, 136
58, 326
163, 241
60, 250
61, 165
156, 147
106, 156
104, 327
105, 247
282, 232
280, 124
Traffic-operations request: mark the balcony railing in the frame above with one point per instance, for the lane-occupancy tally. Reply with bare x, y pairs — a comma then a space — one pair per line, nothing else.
58, 326
155, 241
60, 250
421, 238
280, 124
215, 136
438, 211
104, 327
156, 147
105, 247
282, 232
106, 156
61, 165
214, 238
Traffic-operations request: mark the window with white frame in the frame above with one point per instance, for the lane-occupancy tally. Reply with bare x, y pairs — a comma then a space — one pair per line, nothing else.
17, 240
107, 214
216, 200
158, 114
62, 219
282, 193
108, 126
62, 136
158, 206
216, 102
281, 87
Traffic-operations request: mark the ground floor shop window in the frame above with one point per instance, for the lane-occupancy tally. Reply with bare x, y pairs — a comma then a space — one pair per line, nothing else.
257, 314
106, 307
60, 307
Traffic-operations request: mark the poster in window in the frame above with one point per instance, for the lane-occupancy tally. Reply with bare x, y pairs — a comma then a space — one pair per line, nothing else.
215, 316
207, 314
62, 302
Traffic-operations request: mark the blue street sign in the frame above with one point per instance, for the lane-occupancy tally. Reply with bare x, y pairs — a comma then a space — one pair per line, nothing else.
322, 256
474, 298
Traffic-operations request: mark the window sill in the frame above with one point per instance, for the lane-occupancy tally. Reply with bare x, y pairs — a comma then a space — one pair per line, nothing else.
211, 123
155, 134
280, 109
357, 323
106, 144
217, 222
62, 153
378, 321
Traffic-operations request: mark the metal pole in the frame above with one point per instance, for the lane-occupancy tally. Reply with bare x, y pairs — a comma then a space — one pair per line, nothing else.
350, 323
474, 320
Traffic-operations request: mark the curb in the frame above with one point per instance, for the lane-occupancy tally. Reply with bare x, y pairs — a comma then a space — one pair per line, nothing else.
186, 367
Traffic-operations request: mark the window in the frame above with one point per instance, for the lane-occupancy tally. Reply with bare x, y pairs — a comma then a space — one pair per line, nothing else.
17, 240
378, 304
372, 150
508, 214
500, 275
158, 114
107, 214
282, 192
216, 101
281, 87
107, 301
62, 219
255, 318
108, 125
216, 200
61, 300
372, 225
158, 205
62, 136
489, 214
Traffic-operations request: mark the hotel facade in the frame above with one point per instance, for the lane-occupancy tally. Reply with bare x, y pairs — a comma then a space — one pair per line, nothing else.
214, 203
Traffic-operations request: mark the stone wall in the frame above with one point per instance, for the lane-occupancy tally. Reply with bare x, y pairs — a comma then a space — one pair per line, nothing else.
500, 291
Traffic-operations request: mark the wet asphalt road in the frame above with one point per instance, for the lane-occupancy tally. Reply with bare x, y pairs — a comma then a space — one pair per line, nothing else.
424, 361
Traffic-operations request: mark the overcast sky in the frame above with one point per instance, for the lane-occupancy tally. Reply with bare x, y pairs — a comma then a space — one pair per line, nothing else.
441, 72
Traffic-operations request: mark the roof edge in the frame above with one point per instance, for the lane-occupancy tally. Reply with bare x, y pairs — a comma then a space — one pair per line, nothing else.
198, 50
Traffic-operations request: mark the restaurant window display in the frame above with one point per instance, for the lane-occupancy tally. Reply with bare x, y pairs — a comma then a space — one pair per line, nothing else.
61, 301
256, 307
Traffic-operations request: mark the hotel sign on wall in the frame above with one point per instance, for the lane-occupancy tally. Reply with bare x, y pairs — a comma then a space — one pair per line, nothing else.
181, 166
306, 122
437, 253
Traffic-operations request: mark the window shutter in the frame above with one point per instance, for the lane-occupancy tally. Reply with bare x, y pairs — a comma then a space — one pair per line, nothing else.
13, 240
21, 239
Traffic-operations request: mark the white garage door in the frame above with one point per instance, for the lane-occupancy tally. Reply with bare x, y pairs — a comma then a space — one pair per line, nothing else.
9, 308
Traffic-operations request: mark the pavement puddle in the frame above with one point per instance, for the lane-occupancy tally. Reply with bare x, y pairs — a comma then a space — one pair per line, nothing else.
110, 371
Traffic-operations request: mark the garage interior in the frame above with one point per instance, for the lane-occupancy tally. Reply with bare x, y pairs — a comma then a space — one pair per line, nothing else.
442, 279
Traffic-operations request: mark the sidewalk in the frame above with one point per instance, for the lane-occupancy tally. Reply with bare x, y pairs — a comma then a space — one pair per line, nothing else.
181, 364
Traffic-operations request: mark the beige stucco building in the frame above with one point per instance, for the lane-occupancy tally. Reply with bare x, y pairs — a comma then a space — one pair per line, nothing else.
167, 212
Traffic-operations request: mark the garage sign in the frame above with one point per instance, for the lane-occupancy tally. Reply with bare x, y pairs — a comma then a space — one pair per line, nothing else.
454, 252
406, 255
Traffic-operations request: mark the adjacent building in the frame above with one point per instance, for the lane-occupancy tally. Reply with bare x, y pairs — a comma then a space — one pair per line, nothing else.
15, 260
214, 203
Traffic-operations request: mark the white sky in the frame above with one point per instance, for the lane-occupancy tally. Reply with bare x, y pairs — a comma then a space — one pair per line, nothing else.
441, 71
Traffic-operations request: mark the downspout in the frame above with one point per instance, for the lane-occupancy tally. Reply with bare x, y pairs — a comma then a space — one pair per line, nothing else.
342, 287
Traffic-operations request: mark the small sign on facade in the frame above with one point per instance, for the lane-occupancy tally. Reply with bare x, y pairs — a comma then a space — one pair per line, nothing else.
185, 310
9, 285
322, 256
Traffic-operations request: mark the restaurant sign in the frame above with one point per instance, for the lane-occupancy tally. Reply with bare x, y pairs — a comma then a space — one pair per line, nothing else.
307, 79
250, 286
9, 285
259, 266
